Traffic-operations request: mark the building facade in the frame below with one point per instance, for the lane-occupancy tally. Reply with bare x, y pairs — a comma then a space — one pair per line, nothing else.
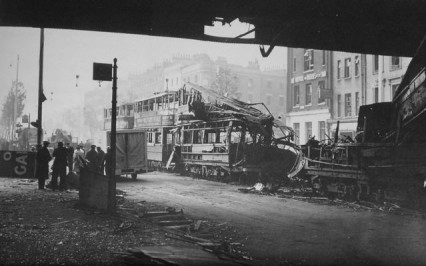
384, 74
351, 80
309, 93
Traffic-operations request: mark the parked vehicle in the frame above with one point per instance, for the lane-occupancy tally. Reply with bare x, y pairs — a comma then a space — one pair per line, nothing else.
131, 152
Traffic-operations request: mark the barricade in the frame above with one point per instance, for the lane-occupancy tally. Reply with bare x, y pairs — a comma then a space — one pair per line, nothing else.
93, 188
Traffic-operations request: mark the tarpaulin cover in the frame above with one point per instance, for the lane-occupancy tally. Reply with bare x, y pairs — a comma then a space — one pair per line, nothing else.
120, 153
136, 150
17, 164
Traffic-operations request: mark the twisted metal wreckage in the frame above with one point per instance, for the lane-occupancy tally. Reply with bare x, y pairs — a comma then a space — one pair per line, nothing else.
217, 136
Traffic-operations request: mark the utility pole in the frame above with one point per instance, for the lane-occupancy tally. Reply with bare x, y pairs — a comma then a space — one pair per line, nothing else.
111, 181
102, 72
15, 101
40, 90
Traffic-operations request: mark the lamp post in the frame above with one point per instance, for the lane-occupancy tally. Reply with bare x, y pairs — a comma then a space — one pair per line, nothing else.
102, 72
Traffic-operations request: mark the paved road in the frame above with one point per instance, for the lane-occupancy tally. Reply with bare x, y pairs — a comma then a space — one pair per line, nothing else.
285, 229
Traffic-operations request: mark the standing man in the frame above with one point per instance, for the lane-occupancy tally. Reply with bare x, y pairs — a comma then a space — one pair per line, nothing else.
42, 164
100, 159
92, 158
70, 154
59, 167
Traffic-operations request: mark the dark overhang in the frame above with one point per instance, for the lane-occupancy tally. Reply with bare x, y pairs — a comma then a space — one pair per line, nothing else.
387, 27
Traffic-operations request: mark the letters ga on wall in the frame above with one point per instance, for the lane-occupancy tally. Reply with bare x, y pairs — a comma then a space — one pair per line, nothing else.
17, 164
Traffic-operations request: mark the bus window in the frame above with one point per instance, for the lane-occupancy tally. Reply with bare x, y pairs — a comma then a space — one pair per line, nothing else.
157, 138
222, 136
197, 137
187, 137
129, 110
210, 136
169, 138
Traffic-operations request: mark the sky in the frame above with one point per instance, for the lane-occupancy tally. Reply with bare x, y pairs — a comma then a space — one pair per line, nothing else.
68, 53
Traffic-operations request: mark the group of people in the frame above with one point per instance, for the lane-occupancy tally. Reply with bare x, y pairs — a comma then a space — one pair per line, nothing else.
96, 160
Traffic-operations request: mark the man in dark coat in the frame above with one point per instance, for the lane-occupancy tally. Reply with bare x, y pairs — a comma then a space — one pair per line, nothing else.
42, 163
100, 159
59, 167
92, 158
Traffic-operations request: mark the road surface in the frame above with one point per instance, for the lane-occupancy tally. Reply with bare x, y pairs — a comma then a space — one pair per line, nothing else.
277, 230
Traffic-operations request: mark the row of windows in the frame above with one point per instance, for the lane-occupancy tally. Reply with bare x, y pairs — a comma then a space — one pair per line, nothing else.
308, 93
348, 112
346, 73
308, 131
395, 63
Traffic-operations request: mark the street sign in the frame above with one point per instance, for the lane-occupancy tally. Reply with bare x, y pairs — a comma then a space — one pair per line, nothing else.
102, 72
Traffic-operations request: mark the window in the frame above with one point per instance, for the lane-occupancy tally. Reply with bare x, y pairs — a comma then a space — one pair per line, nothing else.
321, 88
308, 126
197, 137
321, 130
210, 136
169, 138
339, 105
296, 95
296, 127
308, 94
347, 67
196, 79
281, 86
158, 138
348, 104
268, 99
281, 101
395, 62
339, 67
323, 58
394, 87
294, 65
309, 60
376, 95
356, 66
357, 102
375, 63
129, 110
187, 137
269, 84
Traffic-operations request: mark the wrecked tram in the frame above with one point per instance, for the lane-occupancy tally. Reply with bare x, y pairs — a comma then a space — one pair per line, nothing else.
208, 135
218, 137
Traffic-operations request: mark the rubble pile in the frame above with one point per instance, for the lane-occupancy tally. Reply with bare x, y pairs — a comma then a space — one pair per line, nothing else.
219, 240
299, 190
48, 227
